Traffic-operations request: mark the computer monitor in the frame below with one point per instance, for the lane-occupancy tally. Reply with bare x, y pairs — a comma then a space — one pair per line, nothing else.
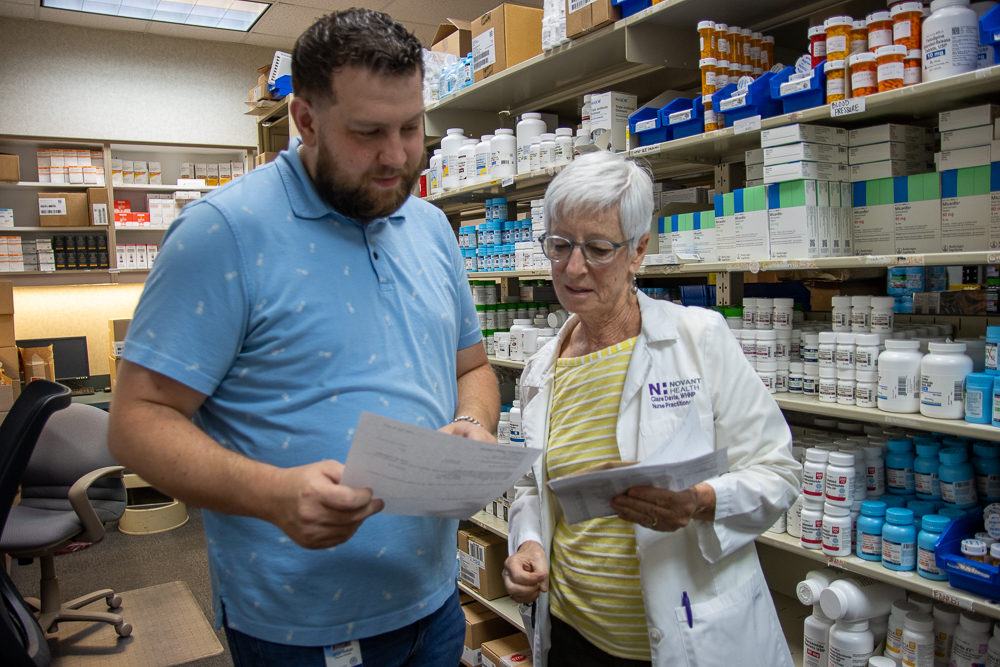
69, 356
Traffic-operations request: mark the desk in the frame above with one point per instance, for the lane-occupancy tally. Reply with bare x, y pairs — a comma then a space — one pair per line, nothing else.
98, 399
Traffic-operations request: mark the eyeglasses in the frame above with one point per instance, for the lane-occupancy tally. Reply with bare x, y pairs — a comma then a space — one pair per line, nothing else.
598, 252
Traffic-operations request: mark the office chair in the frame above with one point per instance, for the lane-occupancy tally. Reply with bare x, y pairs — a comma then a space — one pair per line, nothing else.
22, 641
70, 489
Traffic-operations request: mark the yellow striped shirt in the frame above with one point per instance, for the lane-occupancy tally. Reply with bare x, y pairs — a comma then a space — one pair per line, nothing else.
594, 585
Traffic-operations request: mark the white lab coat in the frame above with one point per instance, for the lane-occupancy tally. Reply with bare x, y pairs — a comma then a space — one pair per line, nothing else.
715, 563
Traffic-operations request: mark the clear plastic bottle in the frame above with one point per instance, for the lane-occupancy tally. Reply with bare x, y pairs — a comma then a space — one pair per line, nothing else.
971, 640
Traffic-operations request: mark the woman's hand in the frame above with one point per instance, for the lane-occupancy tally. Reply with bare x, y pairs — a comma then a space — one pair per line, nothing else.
665, 511
526, 573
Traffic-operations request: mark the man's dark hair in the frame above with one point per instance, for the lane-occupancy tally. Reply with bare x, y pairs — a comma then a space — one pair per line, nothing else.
358, 37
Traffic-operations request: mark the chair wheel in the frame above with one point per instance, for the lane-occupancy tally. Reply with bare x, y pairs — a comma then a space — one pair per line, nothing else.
113, 601
124, 630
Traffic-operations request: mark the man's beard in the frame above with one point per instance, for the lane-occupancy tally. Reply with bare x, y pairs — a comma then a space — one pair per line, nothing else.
363, 202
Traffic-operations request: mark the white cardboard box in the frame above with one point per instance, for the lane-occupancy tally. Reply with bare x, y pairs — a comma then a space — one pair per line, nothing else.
815, 134
755, 156
871, 171
890, 150
963, 158
794, 229
959, 119
874, 228
878, 134
813, 171
609, 112
981, 135
755, 172
804, 152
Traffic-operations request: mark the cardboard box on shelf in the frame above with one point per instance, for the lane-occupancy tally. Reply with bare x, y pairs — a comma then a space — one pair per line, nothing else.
454, 37
504, 37
878, 134
793, 213
481, 557
917, 214
962, 302
583, 17
6, 297
511, 651
963, 158
10, 168
11, 365
63, 209
741, 227
481, 625
890, 150
959, 119
800, 151
981, 135
874, 229
97, 201
815, 134
968, 220
812, 171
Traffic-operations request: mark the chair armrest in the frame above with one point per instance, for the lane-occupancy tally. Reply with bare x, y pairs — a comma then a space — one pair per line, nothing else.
93, 527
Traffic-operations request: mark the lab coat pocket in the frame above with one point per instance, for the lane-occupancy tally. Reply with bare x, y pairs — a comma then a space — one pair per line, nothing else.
655, 433
739, 625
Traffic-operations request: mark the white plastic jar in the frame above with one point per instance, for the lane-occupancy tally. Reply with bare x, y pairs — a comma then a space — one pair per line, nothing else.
501, 344
942, 381
781, 376
767, 371
861, 314
763, 314
516, 436
784, 314
810, 350
950, 37
827, 353
866, 389
547, 150
503, 429
814, 472
467, 163
899, 377
828, 385
516, 338
812, 523
793, 519
749, 313
841, 313
918, 640
866, 352
875, 476
503, 153
483, 159
836, 530
436, 186
450, 145
783, 346
851, 644
529, 127
534, 153
845, 386
810, 380
839, 482
795, 372
971, 640
564, 145
883, 318
766, 346
748, 341
945, 621
845, 356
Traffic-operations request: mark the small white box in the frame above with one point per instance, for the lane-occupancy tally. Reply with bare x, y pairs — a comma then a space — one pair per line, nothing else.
100, 176
959, 119
805, 152
981, 135
140, 256
879, 134
151, 252
755, 172
963, 158
155, 176
75, 175
131, 260
812, 171
83, 159
44, 174
754, 182
141, 172
237, 168
90, 175
814, 134
116, 171
685, 196
793, 228
871, 171
44, 157
755, 156
119, 256
609, 112
889, 150
6, 217
187, 170
128, 174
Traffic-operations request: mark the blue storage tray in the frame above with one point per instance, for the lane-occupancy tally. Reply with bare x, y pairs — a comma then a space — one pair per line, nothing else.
968, 575
758, 101
989, 32
814, 96
654, 135
688, 128
630, 7
282, 86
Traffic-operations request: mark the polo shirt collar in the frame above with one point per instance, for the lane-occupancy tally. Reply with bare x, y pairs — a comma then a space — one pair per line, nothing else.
302, 195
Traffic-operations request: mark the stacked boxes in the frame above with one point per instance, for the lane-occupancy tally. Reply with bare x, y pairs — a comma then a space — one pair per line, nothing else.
804, 152
794, 219
968, 222
482, 625
75, 166
481, 557
966, 137
889, 151
917, 214
874, 229
755, 167
741, 226
140, 172
75, 252
136, 256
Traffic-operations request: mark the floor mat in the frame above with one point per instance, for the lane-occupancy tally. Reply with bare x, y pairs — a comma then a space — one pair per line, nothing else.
169, 628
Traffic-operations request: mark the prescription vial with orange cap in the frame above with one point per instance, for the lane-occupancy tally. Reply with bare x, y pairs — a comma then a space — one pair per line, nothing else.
879, 30
817, 44
890, 67
708, 66
906, 21
864, 74
838, 37
706, 33
835, 81
721, 41
859, 37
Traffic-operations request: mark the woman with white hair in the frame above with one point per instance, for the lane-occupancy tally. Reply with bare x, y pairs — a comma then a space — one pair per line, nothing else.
673, 579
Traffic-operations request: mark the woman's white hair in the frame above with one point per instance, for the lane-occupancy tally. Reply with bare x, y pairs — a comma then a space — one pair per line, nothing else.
598, 182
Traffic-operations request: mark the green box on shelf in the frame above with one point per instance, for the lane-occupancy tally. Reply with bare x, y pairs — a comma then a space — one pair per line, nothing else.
793, 219
705, 239
874, 231
741, 226
967, 221
917, 214
682, 233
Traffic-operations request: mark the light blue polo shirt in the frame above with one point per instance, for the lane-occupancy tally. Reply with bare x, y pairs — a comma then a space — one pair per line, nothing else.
293, 319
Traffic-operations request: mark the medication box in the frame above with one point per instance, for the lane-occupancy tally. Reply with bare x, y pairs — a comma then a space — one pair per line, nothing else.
755, 156
682, 233
481, 625
981, 135
968, 222
917, 212
812, 171
889, 150
793, 219
755, 172
871, 171
790, 134
804, 151
878, 134
741, 226
705, 239
970, 117
963, 158
609, 112
874, 230
512, 651
481, 557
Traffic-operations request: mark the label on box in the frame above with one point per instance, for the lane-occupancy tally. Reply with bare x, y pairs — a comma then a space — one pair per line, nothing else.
734, 102
790, 87
644, 125
100, 214
52, 206
577, 5
484, 52
468, 569
680, 116
472, 657
919, 228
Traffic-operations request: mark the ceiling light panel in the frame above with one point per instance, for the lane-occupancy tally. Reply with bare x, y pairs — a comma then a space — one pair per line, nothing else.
237, 15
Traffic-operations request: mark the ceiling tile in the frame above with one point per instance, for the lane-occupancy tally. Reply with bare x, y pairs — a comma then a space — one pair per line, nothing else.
195, 32
335, 5
272, 41
16, 11
33, 3
438, 11
91, 20
286, 20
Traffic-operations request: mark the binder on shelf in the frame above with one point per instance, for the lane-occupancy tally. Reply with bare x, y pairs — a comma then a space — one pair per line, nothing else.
800, 91
683, 118
756, 100
645, 128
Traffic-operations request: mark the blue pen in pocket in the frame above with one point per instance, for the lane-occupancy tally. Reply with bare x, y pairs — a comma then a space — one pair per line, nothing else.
686, 601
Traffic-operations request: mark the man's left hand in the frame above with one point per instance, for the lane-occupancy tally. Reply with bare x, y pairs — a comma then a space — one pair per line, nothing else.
466, 429
662, 510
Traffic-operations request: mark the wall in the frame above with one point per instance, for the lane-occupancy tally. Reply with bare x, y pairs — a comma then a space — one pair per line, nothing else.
68, 81
79, 310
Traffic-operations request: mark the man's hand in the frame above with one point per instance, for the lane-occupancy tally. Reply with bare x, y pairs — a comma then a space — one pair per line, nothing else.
665, 511
526, 573
315, 510
466, 429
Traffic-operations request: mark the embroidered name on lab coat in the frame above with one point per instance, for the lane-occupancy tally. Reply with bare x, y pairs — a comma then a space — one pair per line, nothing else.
673, 393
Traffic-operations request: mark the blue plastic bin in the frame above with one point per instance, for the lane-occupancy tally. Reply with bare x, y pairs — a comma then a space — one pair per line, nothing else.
969, 575
989, 32
630, 7
654, 135
814, 96
282, 86
688, 128
758, 101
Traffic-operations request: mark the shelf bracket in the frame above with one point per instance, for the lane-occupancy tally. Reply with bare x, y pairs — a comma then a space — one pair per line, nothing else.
729, 288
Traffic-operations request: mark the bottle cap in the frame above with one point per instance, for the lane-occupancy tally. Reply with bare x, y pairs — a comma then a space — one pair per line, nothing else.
919, 622
835, 510
900, 445
934, 523
899, 516
970, 620
818, 455
870, 340
827, 337
973, 547
841, 459
928, 448
953, 455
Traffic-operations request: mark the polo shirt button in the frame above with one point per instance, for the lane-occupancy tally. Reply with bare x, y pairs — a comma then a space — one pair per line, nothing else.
375, 254
655, 636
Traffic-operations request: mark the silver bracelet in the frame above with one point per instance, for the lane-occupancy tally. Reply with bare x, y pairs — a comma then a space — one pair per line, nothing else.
466, 418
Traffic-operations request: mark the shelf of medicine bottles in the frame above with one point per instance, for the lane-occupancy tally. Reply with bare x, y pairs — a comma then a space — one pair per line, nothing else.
479, 275
911, 581
140, 229
920, 101
506, 363
524, 186
49, 186
491, 523
167, 187
53, 230
915, 421
504, 607
930, 259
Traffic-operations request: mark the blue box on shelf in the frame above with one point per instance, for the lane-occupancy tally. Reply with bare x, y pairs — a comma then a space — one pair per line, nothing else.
810, 91
989, 32
968, 575
282, 86
630, 7
645, 128
756, 102
688, 115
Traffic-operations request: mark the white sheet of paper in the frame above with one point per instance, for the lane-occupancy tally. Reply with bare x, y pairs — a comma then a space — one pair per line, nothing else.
421, 472
588, 496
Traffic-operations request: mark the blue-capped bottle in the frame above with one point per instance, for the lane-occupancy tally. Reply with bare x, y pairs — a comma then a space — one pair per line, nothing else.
899, 540
925, 471
986, 463
899, 467
958, 478
931, 528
